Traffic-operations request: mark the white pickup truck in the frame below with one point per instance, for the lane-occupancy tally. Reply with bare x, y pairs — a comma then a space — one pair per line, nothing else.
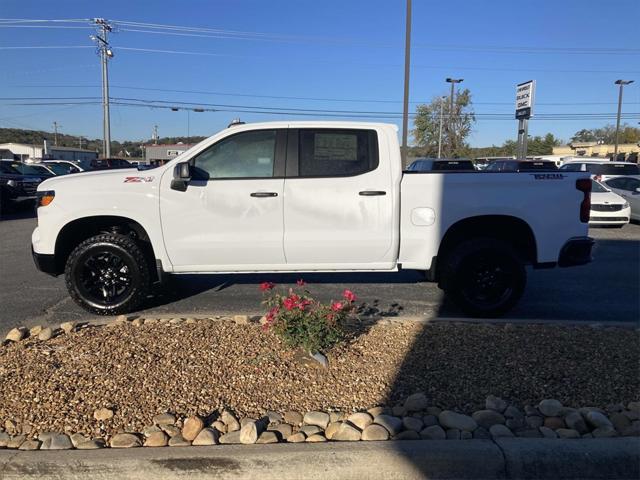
307, 197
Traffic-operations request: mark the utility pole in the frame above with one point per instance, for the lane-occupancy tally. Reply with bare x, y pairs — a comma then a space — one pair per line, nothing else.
155, 134
442, 100
80, 142
105, 54
622, 83
55, 133
407, 68
450, 128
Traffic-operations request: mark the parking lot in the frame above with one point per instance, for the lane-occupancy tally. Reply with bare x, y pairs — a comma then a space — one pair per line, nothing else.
604, 291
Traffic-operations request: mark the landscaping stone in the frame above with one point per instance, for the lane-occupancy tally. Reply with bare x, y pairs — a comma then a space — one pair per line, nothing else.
412, 423
567, 433
274, 417
416, 402
55, 441
103, 414
391, 423
320, 419
529, 410
179, 441
481, 433
575, 421
598, 420
125, 440
164, 419
550, 407
230, 420
361, 419
35, 331
192, 427
219, 426
495, 403
554, 422
433, 432
434, 411
529, 433
207, 436
634, 406
620, 421
30, 445
15, 442
78, 438
311, 429
230, 438
375, 411
245, 420
170, 430
513, 413
547, 432
293, 418
316, 438
407, 435
534, 421
268, 437
336, 416
453, 420
515, 423
464, 435
399, 411
284, 429
374, 432
156, 439
346, 433
453, 434
297, 438
486, 418
632, 430
604, 431
17, 334
68, 327
4, 439
93, 444
249, 433
499, 431
241, 319
45, 334
429, 420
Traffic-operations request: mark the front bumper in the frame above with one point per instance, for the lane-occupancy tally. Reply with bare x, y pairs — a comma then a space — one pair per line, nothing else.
45, 263
577, 251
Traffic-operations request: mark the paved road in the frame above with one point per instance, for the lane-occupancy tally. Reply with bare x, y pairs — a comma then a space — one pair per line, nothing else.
607, 290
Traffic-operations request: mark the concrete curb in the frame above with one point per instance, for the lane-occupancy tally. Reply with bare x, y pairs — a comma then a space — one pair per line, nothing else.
617, 458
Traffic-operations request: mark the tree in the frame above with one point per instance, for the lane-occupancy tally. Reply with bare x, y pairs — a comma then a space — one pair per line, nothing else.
456, 125
607, 134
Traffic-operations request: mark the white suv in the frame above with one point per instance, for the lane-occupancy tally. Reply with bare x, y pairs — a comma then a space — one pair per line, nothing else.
601, 169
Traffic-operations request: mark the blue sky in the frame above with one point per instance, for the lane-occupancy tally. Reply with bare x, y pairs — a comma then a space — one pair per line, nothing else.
340, 50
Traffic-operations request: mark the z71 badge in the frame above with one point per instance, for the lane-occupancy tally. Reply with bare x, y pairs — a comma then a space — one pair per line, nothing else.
138, 179
548, 176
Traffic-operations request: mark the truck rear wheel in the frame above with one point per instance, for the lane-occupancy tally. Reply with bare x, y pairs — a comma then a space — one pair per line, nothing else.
108, 274
485, 277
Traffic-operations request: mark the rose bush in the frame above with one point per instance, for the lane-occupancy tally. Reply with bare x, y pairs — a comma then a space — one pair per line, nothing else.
302, 321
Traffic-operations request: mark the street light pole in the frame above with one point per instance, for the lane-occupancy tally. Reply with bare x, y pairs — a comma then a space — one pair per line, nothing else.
407, 65
622, 83
105, 54
442, 100
450, 128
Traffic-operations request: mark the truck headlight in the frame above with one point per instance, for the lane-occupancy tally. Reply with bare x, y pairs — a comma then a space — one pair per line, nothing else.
11, 183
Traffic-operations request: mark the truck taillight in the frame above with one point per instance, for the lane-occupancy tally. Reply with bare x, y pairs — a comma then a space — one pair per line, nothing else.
584, 185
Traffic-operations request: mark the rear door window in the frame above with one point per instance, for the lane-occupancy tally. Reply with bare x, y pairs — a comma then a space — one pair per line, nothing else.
613, 168
336, 152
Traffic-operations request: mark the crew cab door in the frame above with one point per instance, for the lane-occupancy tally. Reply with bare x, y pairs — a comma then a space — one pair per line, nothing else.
229, 217
339, 200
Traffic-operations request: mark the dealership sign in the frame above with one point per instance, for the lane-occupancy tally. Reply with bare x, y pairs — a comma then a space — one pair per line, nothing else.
524, 99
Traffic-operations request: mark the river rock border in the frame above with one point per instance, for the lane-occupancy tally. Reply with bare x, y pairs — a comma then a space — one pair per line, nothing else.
413, 419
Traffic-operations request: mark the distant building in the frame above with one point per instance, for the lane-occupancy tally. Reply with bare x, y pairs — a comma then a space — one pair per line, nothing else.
23, 151
161, 154
626, 151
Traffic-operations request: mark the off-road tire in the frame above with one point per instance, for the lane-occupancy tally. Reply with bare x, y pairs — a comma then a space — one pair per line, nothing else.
480, 268
132, 257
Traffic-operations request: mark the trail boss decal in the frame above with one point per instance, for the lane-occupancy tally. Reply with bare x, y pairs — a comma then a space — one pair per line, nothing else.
548, 176
138, 179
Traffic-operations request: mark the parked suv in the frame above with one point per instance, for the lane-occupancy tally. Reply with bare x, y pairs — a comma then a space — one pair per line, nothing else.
601, 169
16, 186
441, 165
520, 166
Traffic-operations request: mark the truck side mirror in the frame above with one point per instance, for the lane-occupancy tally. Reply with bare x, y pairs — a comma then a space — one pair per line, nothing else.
181, 176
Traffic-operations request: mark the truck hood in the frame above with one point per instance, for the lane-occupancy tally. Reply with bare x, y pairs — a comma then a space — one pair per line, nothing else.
101, 179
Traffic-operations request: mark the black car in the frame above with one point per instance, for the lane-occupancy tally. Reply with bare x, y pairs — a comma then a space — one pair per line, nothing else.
441, 165
521, 166
105, 164
16, 186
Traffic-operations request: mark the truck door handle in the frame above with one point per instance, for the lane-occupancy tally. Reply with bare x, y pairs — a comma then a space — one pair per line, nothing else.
372, 193
264, 194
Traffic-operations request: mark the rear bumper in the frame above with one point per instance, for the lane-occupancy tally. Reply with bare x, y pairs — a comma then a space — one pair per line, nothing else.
577, 251
45, 263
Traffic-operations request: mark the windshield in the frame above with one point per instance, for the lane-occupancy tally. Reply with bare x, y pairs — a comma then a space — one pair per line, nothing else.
6, 168
613, 168
454, 165
26, 169
60, 169
597, 187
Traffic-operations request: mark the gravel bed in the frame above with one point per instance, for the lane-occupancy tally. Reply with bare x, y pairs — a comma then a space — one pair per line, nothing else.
199, 367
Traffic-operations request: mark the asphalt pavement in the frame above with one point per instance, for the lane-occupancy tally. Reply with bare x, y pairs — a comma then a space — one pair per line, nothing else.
607, 290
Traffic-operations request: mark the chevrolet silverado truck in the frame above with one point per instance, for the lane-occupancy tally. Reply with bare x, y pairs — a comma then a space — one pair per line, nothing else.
307, 197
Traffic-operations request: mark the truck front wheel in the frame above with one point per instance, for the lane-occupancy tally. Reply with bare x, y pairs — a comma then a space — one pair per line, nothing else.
484, 277
108, 274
